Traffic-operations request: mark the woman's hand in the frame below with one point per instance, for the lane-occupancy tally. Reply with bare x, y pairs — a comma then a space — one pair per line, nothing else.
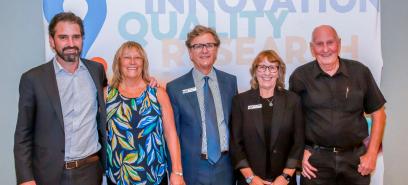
280, 181
258, 181
176, 179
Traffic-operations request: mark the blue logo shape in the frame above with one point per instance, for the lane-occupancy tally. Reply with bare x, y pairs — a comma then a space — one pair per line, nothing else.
93, 20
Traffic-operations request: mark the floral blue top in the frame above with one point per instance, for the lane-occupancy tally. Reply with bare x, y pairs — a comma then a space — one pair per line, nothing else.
135, 144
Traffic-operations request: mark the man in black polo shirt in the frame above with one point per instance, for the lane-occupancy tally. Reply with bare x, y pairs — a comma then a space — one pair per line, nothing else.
335, 95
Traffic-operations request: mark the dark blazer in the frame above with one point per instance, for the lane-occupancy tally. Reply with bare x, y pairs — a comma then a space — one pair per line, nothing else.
188, 118
39, 140
248, 139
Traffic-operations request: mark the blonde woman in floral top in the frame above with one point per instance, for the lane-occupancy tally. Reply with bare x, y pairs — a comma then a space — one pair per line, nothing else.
140, 123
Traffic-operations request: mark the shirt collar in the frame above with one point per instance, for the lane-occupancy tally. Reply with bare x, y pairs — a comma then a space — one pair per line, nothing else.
317, 71
200, 76
58, 67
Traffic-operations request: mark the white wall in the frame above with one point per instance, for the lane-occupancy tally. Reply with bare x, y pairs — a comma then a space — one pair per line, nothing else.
395, 87
21, 47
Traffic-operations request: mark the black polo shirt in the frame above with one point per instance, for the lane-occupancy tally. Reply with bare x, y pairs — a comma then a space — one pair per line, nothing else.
334, 106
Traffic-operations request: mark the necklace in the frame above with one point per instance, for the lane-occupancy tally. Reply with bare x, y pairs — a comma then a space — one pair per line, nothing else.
270, 102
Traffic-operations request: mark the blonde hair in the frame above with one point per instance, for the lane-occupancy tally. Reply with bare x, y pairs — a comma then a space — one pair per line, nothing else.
117, 74
201, 30
272, 57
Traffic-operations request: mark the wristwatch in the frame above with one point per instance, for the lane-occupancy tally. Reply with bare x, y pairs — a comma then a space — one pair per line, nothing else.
248, 180
286, 176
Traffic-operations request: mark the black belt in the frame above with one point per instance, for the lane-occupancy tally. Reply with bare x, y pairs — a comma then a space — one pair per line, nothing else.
332, 149
81, 162
204, 156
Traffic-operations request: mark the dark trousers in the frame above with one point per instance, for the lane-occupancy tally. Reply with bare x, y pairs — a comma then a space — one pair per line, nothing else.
90, 174
220, 173
337, 168
241, 180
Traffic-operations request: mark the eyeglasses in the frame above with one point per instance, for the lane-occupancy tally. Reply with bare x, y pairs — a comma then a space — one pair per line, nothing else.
271, 68
199, 47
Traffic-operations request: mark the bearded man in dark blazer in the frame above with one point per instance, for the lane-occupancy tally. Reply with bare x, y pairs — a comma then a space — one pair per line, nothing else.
60, 132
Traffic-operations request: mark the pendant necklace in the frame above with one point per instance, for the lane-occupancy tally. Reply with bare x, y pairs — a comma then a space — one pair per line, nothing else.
270, 102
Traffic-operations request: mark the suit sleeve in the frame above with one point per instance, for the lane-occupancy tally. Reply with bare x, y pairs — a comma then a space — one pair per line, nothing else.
239, 158
296, 152
103, 74
176, 114
236, 86
23, 136
175, 107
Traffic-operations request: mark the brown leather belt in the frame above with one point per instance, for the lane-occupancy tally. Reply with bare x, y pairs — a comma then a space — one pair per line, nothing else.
81, 162
204, 156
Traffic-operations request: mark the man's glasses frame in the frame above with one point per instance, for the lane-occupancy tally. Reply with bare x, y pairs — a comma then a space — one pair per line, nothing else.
208, 46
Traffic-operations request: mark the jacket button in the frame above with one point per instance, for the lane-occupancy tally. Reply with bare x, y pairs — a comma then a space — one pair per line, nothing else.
274, 151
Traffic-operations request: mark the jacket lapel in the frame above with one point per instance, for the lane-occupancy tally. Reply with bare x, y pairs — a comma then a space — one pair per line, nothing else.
51, 87
192, 96
279, 105
224, 92
93, 71
95, 77
256, 114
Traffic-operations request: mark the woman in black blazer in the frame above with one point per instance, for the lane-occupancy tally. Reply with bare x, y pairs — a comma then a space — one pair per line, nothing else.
267, 129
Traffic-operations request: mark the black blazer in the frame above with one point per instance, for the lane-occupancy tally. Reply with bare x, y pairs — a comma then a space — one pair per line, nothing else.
39, 140
248, 138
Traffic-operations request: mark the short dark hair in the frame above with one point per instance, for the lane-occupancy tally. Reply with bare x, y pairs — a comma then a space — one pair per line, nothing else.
65, 16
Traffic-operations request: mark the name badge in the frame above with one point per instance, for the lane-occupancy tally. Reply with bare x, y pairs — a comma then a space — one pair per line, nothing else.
258, 106
189, 90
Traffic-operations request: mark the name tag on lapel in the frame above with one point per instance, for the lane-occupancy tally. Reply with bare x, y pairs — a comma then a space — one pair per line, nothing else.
189, 90
258, 106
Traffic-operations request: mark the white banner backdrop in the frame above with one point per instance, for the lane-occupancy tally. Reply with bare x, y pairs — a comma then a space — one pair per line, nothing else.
245, 26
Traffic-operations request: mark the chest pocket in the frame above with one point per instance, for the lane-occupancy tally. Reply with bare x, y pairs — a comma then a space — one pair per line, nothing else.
354, 100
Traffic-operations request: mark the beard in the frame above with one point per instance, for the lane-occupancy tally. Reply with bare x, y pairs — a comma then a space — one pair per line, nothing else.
69, 57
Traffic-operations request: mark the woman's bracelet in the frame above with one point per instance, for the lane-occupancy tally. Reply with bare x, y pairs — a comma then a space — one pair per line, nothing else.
178, 173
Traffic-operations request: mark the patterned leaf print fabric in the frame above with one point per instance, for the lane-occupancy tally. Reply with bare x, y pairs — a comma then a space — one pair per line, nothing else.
135, 144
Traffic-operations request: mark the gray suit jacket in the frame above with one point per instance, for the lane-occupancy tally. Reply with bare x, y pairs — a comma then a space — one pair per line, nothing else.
39, 139
188, 118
